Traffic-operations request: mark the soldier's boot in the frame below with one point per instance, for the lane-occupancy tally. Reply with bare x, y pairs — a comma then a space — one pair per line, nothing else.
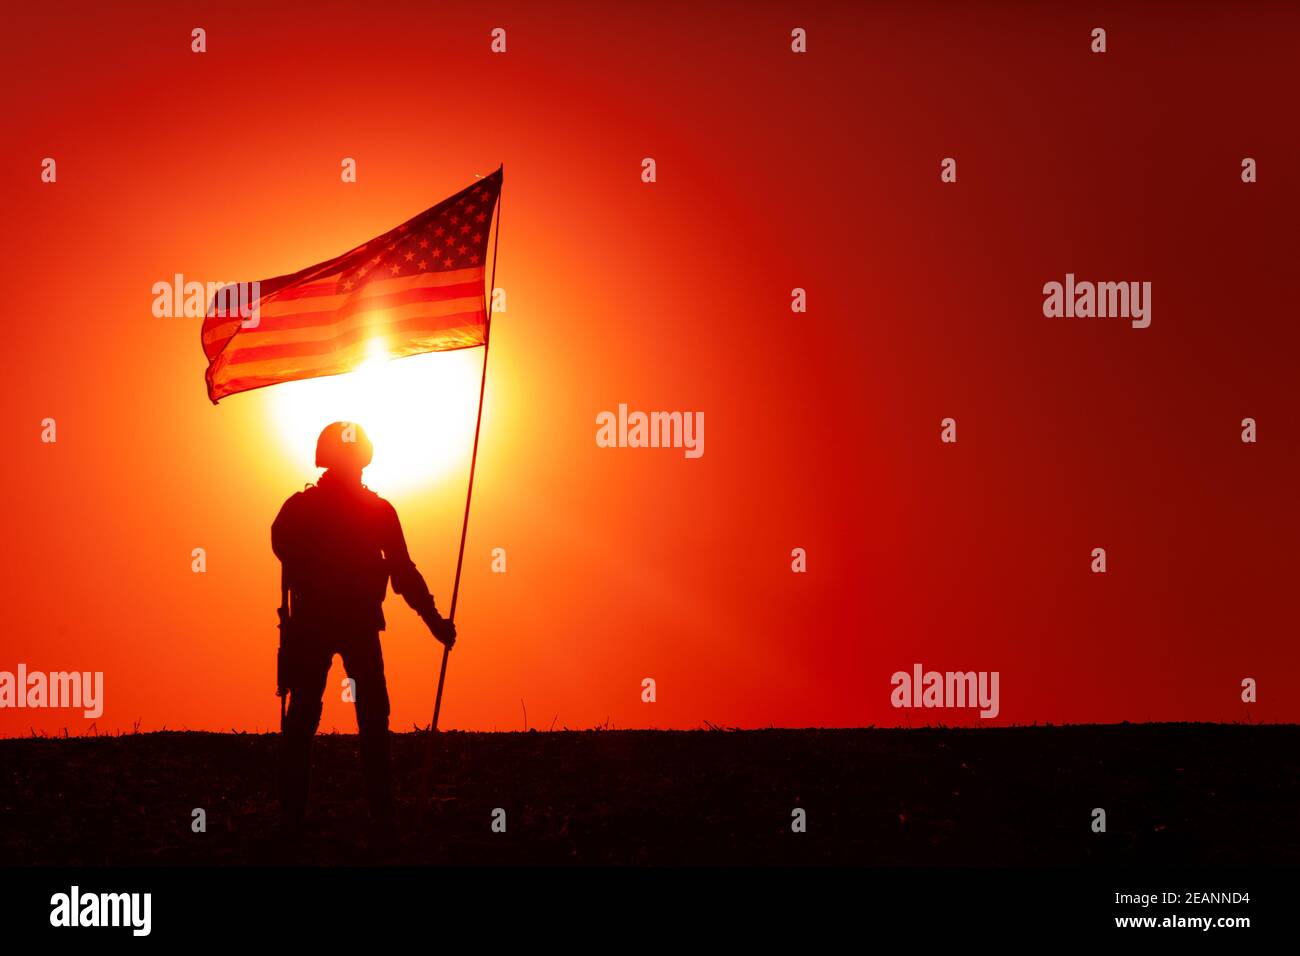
376, 765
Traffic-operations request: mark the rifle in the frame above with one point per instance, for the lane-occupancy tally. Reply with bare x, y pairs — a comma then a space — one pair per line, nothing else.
282, 654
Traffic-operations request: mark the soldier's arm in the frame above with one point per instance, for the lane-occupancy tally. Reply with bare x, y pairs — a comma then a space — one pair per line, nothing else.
406, 577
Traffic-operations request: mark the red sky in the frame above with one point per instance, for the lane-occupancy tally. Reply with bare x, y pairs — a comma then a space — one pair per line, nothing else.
775, 171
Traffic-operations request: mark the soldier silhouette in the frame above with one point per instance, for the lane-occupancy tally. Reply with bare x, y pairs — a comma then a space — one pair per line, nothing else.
339, 544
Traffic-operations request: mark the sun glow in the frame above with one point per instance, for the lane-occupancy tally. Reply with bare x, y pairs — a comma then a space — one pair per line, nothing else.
418, 411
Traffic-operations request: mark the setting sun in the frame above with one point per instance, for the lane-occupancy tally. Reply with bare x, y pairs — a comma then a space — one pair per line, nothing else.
419, 412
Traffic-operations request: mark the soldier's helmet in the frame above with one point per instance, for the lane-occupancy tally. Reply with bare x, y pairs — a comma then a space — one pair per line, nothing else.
343, 445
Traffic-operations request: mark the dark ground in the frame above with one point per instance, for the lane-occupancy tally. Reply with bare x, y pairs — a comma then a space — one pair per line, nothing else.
1173, 794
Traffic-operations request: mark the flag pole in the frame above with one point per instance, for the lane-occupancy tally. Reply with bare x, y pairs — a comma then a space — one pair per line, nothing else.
473, 458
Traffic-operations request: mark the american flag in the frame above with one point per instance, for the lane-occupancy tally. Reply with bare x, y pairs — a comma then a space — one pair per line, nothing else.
416, 288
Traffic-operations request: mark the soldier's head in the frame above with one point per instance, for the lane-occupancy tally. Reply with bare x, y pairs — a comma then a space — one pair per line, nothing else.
344, 448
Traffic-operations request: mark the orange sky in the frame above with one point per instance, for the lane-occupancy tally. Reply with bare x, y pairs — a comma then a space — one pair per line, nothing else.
774, 172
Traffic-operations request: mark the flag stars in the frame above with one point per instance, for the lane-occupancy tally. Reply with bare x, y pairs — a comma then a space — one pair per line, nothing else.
459, 224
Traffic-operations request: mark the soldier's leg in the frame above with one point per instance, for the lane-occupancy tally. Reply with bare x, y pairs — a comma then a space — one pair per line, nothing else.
364, 660
300, 722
